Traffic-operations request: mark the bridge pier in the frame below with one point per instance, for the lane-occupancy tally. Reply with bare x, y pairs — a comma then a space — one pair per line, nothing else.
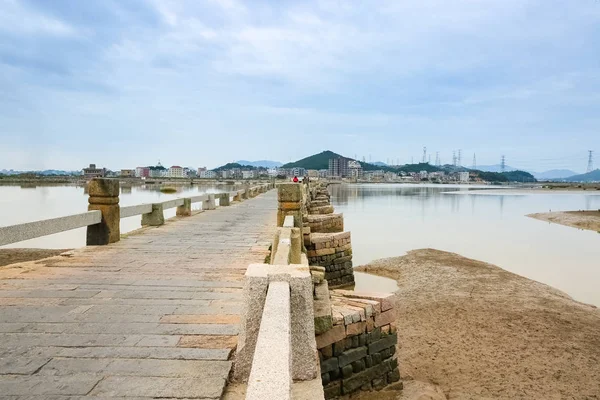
104, 196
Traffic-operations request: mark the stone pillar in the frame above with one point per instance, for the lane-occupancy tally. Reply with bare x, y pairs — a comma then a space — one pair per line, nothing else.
246, 193
210, 203
224, 199
237, 197
186, 209
290, 203
156, 217
104, 196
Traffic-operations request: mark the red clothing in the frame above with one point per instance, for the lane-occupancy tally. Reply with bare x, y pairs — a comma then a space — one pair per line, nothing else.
295, 179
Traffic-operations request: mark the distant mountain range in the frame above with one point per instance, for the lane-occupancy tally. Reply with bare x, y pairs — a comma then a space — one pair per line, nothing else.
593, 176
260, 163
554, 174
44, 172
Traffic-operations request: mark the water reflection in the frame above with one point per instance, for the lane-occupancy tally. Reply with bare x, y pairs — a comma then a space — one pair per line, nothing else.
389, 220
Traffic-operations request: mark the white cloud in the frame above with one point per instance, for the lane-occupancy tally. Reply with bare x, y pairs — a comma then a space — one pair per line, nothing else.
15, 18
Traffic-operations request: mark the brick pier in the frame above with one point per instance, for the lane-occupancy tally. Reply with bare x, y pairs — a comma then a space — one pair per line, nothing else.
152, 316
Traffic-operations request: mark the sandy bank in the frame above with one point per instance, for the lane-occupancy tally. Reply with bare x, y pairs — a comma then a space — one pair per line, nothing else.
480, 332
13, 256
589, 220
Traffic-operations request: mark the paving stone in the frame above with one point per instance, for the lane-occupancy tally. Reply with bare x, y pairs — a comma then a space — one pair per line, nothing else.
199, 387
154, 315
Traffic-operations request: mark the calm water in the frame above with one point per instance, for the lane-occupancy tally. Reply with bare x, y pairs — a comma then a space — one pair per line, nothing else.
19, 204
389, 220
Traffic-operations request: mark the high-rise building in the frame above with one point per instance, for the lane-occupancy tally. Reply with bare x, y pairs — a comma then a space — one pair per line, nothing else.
339, 167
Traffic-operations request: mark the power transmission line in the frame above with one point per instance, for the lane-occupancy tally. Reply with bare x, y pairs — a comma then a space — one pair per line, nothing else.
590, 166
474, 161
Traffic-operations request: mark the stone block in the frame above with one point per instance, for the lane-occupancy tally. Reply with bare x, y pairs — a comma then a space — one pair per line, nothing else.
325, 379
290, 192
358, 366
356, 328
379, 383
351, 355
103, 187
333, 335
327, 352
385, 318
356, 381
224, 200
347, 371
393, 376
333, 390
331, 364
383, 343
339, 347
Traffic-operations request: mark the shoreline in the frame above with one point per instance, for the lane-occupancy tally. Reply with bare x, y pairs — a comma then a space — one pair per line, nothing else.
475, 330
19, 255
585, 220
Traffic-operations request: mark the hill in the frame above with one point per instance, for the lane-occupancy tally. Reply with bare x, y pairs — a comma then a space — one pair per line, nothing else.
317, 161
234, 165
554, 174
511, 176
260, 163
593, 176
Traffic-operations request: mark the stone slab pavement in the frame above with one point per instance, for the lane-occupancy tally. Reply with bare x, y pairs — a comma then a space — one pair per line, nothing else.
153, 316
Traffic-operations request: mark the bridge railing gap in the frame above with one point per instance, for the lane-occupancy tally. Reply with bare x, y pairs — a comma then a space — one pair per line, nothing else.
104, 213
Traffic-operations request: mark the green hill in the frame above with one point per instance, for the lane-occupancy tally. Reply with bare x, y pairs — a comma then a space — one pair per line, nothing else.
317, 161
511, 176
234, 165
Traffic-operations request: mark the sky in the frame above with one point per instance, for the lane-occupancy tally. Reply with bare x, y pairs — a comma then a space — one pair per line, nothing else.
125, 83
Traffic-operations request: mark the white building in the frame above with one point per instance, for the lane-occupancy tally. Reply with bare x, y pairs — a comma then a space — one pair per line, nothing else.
463, 176
207, 174
251, 174
175, 172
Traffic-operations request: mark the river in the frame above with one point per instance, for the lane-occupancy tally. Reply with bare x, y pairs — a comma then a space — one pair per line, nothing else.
389, 220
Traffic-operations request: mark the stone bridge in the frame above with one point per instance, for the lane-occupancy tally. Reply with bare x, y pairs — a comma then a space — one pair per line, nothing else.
248, 298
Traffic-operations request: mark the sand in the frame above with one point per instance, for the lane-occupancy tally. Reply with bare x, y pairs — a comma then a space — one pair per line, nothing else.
13, 256
476, 331
589, 220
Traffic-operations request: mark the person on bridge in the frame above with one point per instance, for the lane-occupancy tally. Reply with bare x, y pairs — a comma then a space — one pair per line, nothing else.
295, 180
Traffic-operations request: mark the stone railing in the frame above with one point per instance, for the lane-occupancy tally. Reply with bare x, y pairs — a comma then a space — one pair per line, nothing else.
277, 345
104, 213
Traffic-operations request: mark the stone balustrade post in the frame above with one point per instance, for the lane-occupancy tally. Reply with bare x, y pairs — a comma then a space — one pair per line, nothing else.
237, 197
224, 200
104, 196
154, 218
290, 199
246, 193
210, 203
186, 209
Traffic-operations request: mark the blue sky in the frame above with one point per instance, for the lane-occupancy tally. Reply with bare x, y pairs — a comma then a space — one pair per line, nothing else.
124, 83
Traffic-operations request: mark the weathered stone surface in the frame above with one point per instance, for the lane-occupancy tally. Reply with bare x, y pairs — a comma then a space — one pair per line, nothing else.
385, 318
334, 389
104, 197
289, 192
383, 343
96, 315
357, 380
330, 364
184, 210
351, 355
156, 217
333, 335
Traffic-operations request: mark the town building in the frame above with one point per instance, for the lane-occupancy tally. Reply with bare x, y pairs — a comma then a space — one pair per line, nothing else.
128, 173
338, 167
201, 170
298, 172
142, 172
93, 172
249, 174
175, 172
355, 170
207, 174
463, 176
